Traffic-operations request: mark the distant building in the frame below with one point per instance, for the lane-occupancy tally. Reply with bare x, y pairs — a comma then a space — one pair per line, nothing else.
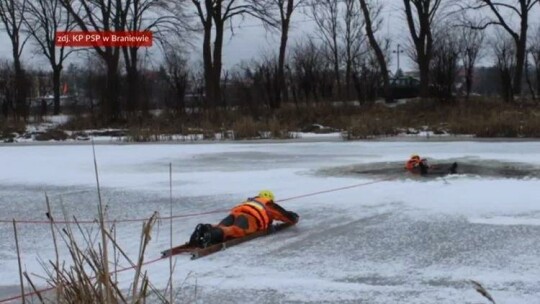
66, 101
412, 74
406, 86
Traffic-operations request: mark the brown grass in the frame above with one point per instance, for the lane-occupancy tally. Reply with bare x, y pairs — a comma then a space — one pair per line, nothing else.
481, 117
9, 127
87, 277
54, 134
481, 290
246, 128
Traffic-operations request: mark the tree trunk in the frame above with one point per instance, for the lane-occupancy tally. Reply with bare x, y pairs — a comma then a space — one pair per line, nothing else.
180, 96
218, 50
528, 80
20, 87
111, 107
336, 67
207, 58
521, 48
20, 95
282, 93
56, 89
468, 84
506, 85
423, 39
133, 101
538, 79
348, 71
423, 65
520, 62
381, 60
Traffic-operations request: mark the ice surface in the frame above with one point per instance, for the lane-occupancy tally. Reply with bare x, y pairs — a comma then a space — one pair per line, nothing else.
406, 240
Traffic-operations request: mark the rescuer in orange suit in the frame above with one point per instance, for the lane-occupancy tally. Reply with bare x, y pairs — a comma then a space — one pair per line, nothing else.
417, 165
254, 214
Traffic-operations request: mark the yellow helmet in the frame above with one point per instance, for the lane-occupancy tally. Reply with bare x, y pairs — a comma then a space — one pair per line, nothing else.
415, 156
266, 194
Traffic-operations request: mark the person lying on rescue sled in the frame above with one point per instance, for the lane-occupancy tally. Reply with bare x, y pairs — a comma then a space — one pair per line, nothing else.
418, 165
254, 214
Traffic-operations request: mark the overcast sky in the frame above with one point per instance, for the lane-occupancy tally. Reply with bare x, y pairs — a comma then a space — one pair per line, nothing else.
250, 39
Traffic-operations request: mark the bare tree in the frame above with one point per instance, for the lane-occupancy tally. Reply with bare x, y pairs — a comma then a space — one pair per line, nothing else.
444, 64
371, 12
213, 15
266, 11
326, 16
286, 9
528, 79
505, 55
420, 15
470, 41
140, 18
502, 13
6, 87
309, 64
353, 41
43, 19
11, 15
535, 53
103, 16
177, 75
263, 74
367, 78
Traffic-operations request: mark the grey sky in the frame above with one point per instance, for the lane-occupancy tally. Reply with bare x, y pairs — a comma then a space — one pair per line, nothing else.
250, 39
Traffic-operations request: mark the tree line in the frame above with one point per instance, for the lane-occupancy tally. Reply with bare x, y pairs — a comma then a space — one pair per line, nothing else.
347, 57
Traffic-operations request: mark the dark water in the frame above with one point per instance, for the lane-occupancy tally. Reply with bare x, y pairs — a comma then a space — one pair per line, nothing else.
482, 168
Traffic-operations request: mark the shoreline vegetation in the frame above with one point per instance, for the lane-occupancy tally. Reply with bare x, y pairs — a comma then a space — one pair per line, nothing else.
479, 118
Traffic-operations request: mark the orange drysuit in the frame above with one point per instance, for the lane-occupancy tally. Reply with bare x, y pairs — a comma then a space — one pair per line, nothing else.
253, 215
416, 165
412, 163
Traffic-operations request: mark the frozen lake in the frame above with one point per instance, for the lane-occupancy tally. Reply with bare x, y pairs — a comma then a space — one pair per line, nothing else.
404, 240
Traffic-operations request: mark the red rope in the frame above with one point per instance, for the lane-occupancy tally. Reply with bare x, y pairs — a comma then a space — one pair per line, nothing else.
334, 190
187, 214
113, 221
33, 293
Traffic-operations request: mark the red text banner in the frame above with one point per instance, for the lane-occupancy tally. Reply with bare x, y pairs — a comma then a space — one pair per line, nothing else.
107, 39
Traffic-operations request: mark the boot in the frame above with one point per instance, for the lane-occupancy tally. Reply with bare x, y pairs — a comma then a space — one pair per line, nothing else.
213, 236
206, 235
216, 235
205, 240
198, 235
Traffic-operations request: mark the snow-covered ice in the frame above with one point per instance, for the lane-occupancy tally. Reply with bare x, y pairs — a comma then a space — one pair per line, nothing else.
407, 240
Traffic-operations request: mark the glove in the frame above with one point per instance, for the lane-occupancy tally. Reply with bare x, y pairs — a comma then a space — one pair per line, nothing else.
294, 216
